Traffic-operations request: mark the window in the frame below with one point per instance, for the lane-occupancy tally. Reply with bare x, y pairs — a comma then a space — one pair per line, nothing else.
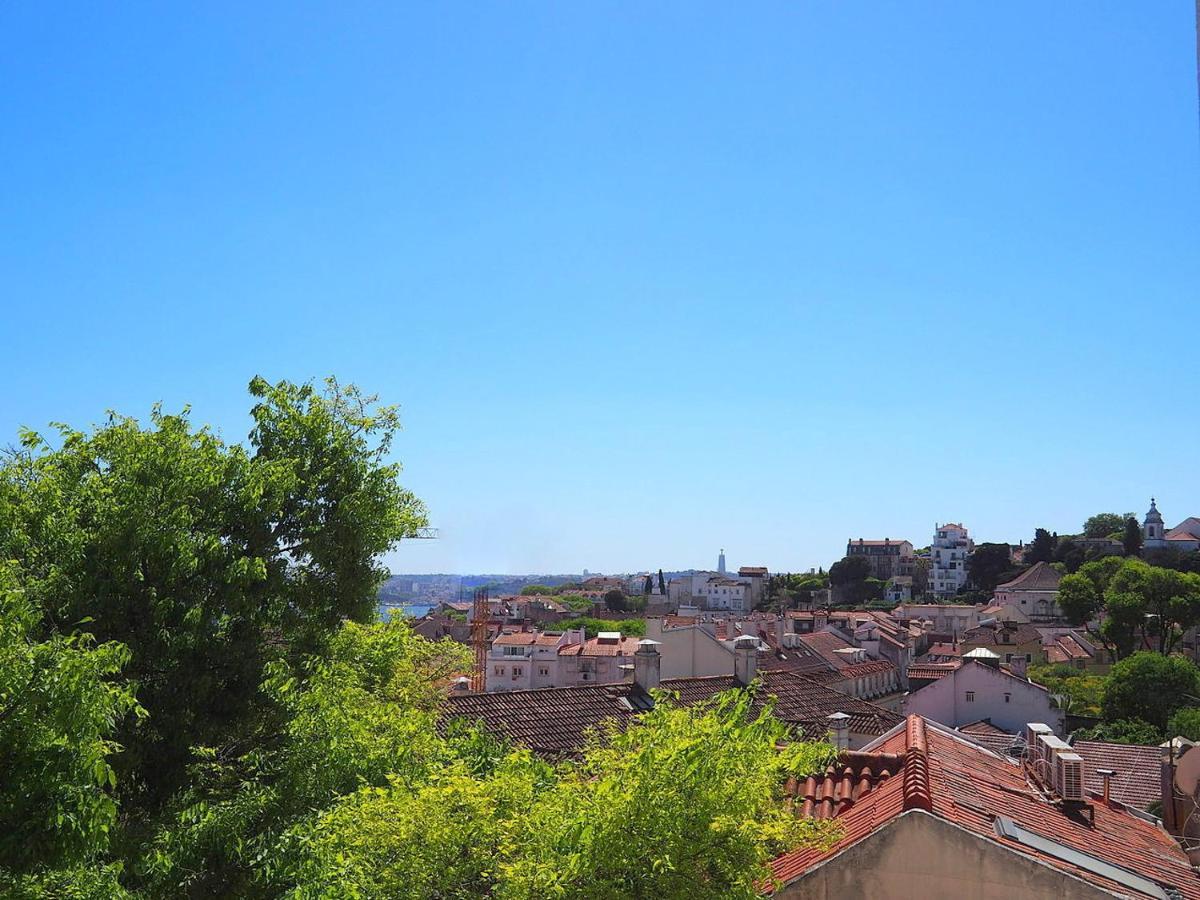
543, 670
499, 670
1028, 657
1008, 657
517, 671
1008, 698
970, 696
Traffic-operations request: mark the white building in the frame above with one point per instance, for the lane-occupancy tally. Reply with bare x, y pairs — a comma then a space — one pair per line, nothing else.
981, 690
1034, 592
1184, 537
724, 593
523, 660
948, 559
689, 650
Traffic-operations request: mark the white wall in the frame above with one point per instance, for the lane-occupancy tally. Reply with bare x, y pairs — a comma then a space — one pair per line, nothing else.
946, 701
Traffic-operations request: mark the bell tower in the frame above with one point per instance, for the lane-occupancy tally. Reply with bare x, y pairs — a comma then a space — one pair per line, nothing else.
1153, 534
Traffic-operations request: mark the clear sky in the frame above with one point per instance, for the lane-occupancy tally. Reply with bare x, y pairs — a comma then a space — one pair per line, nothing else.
647, 279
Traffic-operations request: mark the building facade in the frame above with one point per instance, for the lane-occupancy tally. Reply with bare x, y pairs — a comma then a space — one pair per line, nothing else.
1034, 592
948, 559
887, 557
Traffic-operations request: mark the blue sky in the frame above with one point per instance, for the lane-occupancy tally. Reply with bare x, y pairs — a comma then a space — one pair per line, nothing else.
647, 280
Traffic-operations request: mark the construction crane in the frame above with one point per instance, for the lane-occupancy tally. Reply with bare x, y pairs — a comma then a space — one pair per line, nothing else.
480, 615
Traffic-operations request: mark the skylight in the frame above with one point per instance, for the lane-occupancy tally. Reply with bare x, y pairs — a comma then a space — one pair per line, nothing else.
1007, 828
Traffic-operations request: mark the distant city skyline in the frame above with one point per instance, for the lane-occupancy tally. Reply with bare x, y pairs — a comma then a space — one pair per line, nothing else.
647, 281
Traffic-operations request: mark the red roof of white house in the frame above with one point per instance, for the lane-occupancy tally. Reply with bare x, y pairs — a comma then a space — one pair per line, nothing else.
515, 639
920, 765
624, 646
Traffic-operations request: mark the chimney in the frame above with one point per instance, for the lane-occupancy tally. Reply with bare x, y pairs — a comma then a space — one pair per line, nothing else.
1107, 775
745, 659
647, 665
820, 619
839, 724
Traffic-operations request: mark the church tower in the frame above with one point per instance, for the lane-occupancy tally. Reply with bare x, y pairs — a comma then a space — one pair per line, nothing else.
1153, 534
721, 562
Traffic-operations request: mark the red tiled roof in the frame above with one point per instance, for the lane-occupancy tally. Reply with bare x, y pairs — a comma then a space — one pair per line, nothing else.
869, 667
516, 639
1001, 635
554, 721
1138, 769
845, 781
1039, 577
824, 643
982, 726
752, 570
944, 650
626, 646
931, 671
969, 786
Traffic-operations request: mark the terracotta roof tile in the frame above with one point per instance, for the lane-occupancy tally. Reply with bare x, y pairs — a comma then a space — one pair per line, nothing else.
555, 721
961, 782
1039, 577
1138, 769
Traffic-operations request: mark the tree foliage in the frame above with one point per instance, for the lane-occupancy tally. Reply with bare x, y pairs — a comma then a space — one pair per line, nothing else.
1084, 690
1122, 731
616, 601
685, 802
1139, 603
1185, 722
196, 698
988, 565
852, 582
593, 626
205, 558
1041, 548
1105, 525
60, 703
1150, 687
1131, 537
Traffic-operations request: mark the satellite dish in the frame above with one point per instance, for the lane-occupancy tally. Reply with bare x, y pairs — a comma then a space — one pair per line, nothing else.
1187, 773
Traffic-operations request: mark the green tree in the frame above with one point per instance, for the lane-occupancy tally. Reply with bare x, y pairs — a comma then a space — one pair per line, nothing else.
1149, 686
616, 601
361, 715
1131, 539
848, 577
60, 702
988, 564
1041, 549
593, 626
207, 559
1079, 598
685, 802
1083, 690
1123, 731
662, 583
537, 590
1185, 722
647, 585
1069, 554
1104, 524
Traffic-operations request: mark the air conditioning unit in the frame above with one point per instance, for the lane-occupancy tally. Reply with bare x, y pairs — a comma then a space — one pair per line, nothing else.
1033, 732
1069, 780
1046, 766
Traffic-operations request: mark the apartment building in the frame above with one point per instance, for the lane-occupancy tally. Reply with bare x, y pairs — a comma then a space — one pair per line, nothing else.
948, 559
